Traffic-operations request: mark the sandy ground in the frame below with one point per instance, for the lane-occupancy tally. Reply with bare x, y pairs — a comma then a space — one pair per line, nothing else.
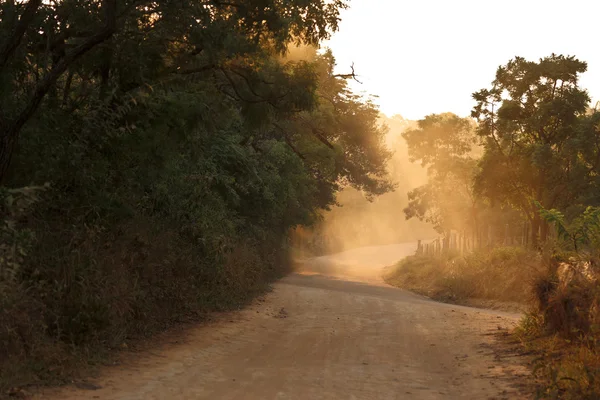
333, 330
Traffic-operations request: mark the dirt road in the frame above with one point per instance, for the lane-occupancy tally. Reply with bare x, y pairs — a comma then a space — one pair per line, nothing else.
333, 330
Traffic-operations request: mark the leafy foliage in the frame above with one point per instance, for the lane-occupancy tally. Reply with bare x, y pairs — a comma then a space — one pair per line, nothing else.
444, 144
182, 143
531, 125
584, 230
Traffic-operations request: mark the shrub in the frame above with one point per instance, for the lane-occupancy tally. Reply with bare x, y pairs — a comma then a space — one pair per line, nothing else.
502, 274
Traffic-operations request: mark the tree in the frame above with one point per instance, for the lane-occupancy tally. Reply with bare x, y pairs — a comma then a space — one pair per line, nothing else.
444, 144
120, 46
346, 127
180, 149
528, 122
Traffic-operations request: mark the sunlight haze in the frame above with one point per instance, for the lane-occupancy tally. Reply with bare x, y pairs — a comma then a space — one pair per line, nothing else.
423, 57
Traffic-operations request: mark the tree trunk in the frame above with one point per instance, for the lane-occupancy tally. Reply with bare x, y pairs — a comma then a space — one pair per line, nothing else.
535, 227
7, 147
543, 231
446, 242
106, 63
12, 42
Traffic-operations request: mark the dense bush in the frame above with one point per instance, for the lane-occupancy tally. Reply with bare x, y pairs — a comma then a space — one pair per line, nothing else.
564, 323
180, 145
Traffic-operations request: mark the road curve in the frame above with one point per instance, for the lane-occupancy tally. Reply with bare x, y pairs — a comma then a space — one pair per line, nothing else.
333, 330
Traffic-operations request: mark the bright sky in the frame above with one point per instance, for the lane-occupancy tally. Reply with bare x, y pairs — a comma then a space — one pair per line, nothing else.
427, 56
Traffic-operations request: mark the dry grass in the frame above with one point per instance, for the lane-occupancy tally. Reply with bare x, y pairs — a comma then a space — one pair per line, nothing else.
78, 300
562, 326
564, 369
563, 329
503, 275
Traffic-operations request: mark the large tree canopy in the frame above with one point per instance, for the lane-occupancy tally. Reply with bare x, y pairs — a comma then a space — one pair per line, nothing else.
530, 121
105, 61
67, 49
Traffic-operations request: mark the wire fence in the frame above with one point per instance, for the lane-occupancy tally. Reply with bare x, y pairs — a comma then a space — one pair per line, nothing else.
484, 239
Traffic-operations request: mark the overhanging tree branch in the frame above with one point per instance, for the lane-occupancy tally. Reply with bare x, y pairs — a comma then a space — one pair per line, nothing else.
317, 133
9, 130
13, 41
289, 141
258, 97
351, 75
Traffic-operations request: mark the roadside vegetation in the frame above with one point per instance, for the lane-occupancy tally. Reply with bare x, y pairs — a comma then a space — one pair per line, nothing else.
158, 162
563, 326
557, 290
153, 159
500, 278
513, 193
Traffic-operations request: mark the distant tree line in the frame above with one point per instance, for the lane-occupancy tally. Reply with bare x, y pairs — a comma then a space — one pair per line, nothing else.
533, 143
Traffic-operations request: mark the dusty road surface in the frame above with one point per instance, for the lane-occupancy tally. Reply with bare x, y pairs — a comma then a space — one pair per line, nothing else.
333, 330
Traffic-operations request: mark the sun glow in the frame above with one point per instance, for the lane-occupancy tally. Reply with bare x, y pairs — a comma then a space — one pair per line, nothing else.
423, 57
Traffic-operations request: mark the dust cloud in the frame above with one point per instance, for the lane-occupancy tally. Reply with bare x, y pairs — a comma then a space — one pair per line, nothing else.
358, 222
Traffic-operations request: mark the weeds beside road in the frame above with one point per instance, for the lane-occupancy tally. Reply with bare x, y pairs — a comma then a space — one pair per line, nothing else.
500, 278
560, 325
